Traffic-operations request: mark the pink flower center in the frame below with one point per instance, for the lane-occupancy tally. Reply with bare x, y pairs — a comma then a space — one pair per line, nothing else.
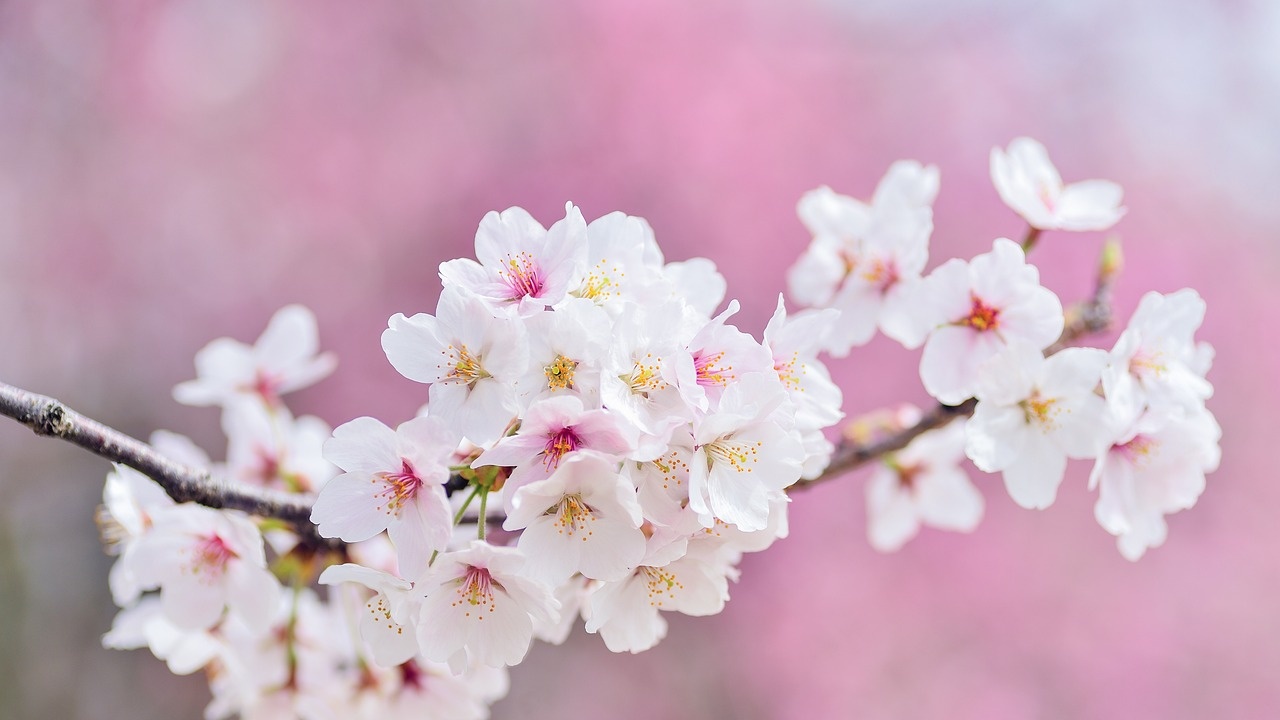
522, 276
1138, 450
883, 274
264, 385
708, 369
475, 588
559, 444
211, 556
982, 317
398, 488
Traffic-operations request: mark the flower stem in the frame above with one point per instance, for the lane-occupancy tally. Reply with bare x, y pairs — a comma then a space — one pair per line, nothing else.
484, 507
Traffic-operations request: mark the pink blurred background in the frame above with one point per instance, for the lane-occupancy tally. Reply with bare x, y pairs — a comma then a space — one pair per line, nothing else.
173, 172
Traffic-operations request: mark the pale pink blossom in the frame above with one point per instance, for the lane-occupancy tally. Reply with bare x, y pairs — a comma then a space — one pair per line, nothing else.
1033, 413
584, 518
1154, 469
1029, 184
203, 561
393, 480
282, 360
388, 624
480, 608
922, 484
471, 359
522, 266
972, 310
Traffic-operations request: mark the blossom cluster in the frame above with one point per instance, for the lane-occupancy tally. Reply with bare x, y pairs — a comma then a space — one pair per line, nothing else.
601, 445
1138, 412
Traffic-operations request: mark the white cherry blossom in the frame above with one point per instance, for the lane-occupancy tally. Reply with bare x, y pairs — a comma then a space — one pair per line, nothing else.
480, 608
1156, 468
972, 310
522, 266
742, 458
1035, 412
584, 518
389, 622
1029, 184
865, 260
1156, 360
922, 484
393, 480
272, 449
675, 575
282, 360
203, 561
471, 359
565, 352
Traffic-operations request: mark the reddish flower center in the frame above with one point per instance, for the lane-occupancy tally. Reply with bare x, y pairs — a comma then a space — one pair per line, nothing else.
559, 444
982, 317
398, 488
212, 556
522, 276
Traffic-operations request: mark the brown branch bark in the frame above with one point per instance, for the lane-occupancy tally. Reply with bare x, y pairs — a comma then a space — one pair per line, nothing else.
49, 417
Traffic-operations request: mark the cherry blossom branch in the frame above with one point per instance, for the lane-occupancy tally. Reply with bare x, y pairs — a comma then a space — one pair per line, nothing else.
51, 418
1085, 318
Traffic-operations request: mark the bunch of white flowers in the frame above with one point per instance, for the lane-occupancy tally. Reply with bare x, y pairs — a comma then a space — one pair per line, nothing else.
599, 443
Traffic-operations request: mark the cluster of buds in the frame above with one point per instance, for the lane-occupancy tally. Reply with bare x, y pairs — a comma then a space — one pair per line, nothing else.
601, 444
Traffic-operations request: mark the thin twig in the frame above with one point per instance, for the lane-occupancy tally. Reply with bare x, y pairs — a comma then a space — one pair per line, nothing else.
51, 418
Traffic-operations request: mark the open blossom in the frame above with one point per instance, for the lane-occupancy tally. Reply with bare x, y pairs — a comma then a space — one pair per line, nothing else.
273, 449
1035, 412
480, 608
623, 262
975, 309
145, 625
865, 260
203, 561
393, 480
742, 458
283, 359
1156, 360
129, 500
1029, 184
1156, 468
794, 342
551, 432
388, 624
721, 354
675, 575
922, 484
565, 350
584, 518
522, 266
471, 359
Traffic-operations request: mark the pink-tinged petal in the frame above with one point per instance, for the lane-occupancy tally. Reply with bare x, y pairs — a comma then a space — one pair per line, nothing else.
996, 436
504, 233
1009, 376
552, 556
253, 594
490, 408
624, 616
413, 539
892, 519
413, 345
1090, 205
291, 338
950, 361
470, 276
949, 501
611, 551
859, 305
390, 642
192, 604
1089, 430
945, 295
1033, 479
350, 507
826, 213
363, 446
513, 451
427, 443
221, 366
1036, 319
